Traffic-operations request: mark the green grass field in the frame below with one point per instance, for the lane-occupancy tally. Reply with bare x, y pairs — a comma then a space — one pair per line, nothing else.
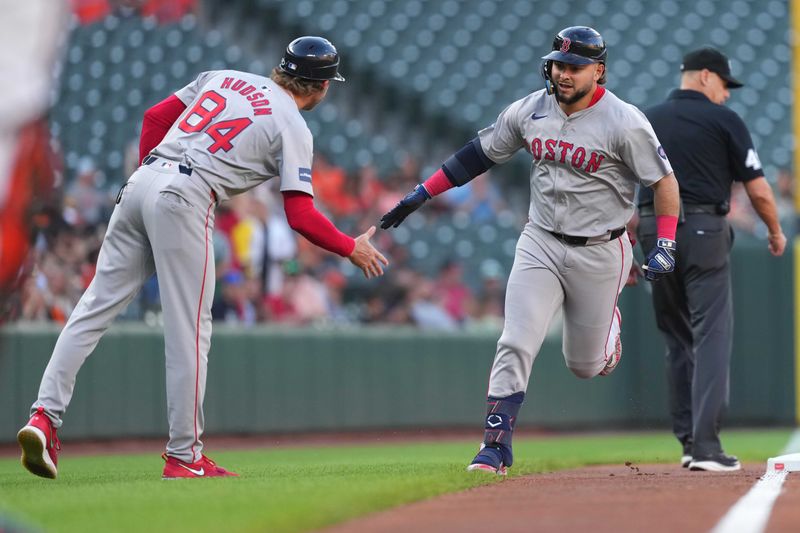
305, 488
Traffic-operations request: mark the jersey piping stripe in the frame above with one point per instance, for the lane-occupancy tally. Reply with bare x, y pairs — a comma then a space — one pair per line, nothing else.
616, 299
197, 328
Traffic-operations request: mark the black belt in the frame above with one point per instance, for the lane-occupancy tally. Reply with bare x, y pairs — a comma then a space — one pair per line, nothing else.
688, 209
583, 241
183, 169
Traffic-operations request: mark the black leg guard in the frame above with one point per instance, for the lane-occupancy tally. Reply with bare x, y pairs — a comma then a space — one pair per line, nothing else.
501, 417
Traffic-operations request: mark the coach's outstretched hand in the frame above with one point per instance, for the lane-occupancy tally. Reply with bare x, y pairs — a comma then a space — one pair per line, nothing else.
366, 257
405, 207
660, 260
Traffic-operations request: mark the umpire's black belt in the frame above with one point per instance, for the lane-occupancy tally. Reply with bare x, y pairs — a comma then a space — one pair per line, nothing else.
183, 169
583, 241
688, 209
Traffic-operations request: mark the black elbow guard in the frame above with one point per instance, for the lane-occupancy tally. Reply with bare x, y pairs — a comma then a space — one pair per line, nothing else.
468, 162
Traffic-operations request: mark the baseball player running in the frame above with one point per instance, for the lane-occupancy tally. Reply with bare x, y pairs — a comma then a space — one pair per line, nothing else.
590, 150
219, 136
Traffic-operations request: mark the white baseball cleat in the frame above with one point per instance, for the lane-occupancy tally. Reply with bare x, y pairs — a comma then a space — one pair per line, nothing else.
489, 469
614, 345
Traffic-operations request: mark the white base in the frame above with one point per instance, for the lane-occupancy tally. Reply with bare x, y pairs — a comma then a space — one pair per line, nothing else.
784, 463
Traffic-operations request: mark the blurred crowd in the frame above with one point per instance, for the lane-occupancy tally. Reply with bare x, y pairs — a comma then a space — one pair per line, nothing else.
265, 273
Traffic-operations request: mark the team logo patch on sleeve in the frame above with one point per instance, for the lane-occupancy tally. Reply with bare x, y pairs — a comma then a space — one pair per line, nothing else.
305, 175
661, 152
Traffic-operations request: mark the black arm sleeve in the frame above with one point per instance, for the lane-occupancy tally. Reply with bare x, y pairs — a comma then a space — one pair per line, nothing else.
467, 163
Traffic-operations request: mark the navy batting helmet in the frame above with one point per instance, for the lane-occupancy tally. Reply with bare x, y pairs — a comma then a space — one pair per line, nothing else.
311, 58
578, 45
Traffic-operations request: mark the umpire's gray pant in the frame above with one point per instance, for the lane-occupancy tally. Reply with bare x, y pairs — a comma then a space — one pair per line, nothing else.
694, 312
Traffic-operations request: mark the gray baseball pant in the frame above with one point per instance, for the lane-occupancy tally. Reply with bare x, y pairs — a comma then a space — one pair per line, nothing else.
548, 274
163, 223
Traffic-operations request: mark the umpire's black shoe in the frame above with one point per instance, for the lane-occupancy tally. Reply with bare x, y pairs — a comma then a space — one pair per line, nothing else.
686, 456
716, 463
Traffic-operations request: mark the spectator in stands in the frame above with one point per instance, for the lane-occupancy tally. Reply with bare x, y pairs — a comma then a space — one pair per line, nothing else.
89, 205
370, 192
249, 233
330, 187
235, 306
60, 290
451, 290
335, 284
306, 298
426, 308
480, 199
488, 306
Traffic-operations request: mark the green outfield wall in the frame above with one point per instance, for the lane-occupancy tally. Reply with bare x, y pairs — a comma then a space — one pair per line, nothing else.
284, 380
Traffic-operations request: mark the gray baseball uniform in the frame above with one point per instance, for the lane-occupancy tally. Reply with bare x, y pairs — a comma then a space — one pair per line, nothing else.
238, 130
583, 178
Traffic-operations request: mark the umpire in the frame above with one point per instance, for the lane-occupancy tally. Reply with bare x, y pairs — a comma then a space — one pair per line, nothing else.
709, 148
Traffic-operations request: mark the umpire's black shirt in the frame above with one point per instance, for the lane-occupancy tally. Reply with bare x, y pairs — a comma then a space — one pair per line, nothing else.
707, 144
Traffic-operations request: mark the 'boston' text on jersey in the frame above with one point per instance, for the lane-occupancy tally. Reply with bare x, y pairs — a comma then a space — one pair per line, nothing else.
559, 151
257, 100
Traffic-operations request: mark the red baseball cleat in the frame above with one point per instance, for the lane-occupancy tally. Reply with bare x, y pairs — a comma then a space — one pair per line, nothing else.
205, 467
39, 445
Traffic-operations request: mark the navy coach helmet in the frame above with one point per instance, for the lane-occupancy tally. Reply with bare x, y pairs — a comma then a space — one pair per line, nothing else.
576, 45
311, 58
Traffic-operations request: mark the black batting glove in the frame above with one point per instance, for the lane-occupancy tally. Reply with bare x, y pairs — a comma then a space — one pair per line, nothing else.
405, 207
660, 260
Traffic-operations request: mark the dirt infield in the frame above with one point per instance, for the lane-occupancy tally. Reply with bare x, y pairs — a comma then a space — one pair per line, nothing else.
612, 499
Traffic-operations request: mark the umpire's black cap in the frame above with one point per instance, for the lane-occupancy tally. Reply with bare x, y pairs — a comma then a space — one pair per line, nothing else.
712, 59
311, 58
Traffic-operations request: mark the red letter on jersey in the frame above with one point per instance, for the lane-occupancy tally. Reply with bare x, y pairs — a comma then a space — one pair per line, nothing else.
536, 148
578, 157
550, 144
565, 147
594, 163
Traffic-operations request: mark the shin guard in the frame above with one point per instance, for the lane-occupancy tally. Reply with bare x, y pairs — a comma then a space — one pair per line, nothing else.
501, 416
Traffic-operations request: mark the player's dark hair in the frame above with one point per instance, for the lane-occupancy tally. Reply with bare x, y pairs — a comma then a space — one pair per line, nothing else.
297, 86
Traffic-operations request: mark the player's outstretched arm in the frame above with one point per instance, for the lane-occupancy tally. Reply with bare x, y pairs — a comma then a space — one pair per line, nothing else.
366, 257
661, 259
410, 203
304, 218
459, 169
